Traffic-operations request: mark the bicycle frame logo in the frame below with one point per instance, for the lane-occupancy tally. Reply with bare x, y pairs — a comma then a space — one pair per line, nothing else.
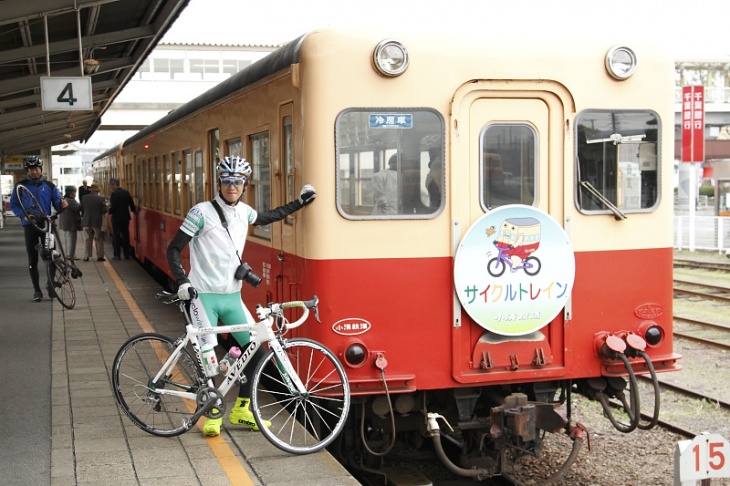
514, 270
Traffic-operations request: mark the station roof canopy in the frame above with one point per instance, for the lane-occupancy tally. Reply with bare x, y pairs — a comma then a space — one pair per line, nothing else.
106, 40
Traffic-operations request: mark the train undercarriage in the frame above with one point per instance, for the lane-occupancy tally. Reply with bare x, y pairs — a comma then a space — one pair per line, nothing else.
478, 432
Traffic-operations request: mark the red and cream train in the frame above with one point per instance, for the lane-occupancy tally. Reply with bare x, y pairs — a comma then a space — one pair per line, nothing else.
527, 251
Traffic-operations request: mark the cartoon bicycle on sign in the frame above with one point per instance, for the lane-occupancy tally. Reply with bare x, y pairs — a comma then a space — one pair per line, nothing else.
516, 240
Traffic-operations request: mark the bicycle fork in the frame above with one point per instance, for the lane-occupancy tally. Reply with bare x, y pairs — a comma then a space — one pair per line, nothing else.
288, 374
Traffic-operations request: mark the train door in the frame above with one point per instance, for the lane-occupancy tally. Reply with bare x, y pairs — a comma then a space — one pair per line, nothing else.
140, 195
285, 243
507, 155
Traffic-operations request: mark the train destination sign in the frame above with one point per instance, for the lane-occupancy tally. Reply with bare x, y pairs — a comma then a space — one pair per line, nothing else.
514, 270
391, 120
66, 94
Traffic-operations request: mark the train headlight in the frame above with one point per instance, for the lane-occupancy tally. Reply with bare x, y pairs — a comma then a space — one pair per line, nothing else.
653, 335
390, 58
652, 332
355, 354
620, 62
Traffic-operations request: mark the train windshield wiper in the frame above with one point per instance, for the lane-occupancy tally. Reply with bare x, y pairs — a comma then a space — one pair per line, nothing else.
603, 200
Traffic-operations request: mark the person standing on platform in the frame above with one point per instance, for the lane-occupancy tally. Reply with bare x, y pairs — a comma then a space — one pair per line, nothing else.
93, 207
68, 221
121, 203
83, 190
216, 232
48, 197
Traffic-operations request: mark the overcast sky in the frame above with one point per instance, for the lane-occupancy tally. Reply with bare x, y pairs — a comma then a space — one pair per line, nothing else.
690, 29
696, 29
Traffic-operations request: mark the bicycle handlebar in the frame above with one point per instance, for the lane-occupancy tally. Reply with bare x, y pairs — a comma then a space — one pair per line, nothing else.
264, 312
261, 311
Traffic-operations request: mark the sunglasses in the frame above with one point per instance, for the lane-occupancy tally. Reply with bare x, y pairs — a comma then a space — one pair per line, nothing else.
232, 181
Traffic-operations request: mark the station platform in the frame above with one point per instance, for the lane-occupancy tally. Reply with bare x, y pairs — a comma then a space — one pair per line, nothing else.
89, 439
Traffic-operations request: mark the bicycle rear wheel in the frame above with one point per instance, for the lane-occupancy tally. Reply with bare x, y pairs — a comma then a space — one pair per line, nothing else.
31, 208
301, 424
134, 369
59, 275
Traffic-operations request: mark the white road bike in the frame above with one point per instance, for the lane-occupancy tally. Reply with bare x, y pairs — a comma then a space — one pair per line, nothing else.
299, 385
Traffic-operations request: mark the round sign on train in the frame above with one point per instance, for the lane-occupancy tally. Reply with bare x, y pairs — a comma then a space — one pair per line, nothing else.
514, 270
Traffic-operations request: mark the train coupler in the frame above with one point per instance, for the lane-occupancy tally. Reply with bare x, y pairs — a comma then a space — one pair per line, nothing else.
517, 417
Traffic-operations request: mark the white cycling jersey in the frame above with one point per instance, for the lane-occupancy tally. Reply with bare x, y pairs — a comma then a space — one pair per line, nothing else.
213, 259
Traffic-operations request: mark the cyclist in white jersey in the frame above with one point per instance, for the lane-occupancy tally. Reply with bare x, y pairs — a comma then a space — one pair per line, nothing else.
215, 256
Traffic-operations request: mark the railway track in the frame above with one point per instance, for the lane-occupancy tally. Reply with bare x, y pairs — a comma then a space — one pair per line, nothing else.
695, 264
707, 333
684, 429
719, 293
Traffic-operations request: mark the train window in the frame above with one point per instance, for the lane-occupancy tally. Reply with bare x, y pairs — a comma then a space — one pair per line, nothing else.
167, 191
233, 147
158, 184
138, 191
148, 196
213, 156
507, 168
261, 178
287, 152
144, 194
390, 163
176, 185
188, 181
199, 179
617, 161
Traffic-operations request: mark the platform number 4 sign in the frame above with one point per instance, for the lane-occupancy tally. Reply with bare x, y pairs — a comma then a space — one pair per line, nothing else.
704, 457
66, 94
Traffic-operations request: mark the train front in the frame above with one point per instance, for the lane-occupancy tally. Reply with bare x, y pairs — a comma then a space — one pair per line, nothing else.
498, 235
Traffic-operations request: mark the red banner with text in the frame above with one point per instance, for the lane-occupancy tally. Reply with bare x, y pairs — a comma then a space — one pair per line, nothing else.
693, 124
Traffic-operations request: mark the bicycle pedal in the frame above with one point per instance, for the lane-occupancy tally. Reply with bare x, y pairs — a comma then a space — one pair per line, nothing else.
214, 413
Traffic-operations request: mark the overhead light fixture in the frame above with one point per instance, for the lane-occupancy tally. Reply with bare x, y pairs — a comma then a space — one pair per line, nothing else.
91, 66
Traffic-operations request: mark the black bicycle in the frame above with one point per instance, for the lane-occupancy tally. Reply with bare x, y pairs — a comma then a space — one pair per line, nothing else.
60, 269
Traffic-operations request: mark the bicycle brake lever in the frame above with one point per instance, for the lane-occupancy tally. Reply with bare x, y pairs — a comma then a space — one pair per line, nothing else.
316, 314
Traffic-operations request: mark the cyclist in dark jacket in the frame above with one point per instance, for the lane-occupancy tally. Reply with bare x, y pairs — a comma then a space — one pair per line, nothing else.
48, 196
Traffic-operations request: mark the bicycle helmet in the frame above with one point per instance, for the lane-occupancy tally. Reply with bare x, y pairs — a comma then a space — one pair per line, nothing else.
33, 161
234, 167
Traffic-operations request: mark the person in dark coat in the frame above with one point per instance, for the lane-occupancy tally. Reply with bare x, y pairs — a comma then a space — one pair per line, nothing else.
93, 207
68, 221
83, 190
121, 207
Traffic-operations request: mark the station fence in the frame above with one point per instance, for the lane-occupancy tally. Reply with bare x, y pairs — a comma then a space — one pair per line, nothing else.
711, 233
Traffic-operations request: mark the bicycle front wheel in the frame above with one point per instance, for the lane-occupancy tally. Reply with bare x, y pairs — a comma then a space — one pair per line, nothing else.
59, 274
133, 373
31, 208
301, 423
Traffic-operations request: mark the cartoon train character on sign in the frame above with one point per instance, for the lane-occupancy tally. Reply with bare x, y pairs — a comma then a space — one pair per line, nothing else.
517, 239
